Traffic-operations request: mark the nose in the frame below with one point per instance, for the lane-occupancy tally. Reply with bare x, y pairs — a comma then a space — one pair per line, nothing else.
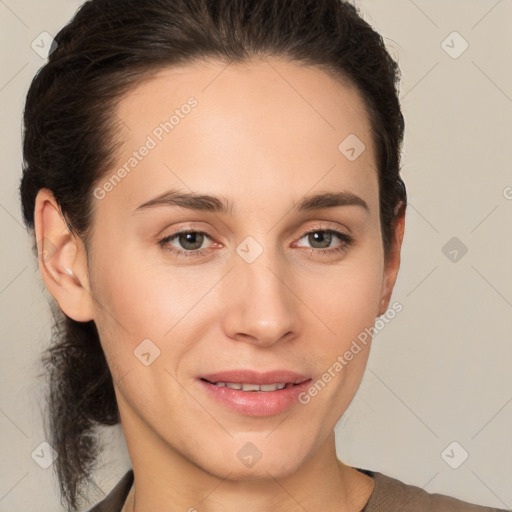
263, 309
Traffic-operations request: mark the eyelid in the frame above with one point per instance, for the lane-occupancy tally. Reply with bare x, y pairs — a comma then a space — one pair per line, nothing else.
325, 227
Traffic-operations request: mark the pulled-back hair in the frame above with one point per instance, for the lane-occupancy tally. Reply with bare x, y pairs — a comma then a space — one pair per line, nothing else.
70, 143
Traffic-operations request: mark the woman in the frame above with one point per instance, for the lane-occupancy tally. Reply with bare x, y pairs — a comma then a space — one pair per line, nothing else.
215, 196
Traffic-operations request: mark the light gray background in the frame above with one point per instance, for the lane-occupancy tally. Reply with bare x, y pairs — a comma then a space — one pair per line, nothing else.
441, 370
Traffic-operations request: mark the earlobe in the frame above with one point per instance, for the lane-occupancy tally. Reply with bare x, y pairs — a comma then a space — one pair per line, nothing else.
392, 263
62, 259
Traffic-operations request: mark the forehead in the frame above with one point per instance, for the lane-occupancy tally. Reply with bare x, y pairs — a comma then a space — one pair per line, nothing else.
268, 119
289, 90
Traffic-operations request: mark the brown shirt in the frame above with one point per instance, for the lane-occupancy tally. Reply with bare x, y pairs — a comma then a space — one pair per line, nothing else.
389, 495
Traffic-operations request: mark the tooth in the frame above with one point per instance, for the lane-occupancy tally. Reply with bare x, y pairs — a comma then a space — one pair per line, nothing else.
250, 387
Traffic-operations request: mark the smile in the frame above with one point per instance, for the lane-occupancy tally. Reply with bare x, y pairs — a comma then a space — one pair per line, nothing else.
253, 387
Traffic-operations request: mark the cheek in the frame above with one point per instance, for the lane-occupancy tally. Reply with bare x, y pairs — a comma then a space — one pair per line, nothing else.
347, 301
134, 297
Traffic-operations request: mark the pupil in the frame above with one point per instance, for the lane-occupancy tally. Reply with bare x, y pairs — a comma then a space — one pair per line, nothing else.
320, 236
189, 238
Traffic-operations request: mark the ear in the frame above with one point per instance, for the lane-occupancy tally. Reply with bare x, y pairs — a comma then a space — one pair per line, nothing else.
392, 263
62, 259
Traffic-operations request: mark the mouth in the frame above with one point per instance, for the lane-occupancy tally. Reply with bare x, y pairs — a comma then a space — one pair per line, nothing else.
251, 393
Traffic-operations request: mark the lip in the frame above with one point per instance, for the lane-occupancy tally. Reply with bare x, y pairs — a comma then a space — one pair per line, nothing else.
255, 403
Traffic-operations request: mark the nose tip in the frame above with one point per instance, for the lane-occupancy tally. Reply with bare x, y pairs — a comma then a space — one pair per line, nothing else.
264, 333
263, 309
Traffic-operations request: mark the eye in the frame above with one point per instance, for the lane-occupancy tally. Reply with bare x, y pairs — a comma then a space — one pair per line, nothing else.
190, 240
321, 239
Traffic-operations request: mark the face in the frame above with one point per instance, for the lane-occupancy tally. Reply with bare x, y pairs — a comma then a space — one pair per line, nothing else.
263, 280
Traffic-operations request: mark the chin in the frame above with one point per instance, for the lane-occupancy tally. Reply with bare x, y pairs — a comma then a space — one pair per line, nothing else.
256, 460
235, 471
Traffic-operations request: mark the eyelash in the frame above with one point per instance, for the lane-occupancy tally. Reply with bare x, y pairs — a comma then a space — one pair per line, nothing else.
346, 242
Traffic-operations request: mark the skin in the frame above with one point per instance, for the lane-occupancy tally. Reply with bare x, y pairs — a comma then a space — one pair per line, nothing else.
264, 134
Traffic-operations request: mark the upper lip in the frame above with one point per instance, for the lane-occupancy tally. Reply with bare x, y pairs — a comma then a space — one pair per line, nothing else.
254, 377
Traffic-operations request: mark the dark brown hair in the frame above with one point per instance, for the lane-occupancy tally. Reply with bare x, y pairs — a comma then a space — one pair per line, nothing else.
69, 144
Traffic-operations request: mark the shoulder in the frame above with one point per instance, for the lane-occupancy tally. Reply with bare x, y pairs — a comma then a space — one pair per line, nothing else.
114, 501
391, 494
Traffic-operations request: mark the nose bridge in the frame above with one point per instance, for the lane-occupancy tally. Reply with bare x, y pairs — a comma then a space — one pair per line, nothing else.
262, 305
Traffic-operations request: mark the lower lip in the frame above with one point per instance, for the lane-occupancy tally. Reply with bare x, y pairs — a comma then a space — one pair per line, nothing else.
256, 403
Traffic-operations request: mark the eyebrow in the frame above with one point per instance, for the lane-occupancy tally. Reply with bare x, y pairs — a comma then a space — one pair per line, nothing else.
220, 204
